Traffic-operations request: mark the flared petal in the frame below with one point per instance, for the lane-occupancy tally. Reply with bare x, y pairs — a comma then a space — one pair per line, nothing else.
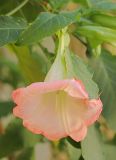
41, 115
56, 109
94, 108
74, 87
79, 135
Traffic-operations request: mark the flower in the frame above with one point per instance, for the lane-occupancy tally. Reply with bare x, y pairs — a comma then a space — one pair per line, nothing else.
57, 109
60, 106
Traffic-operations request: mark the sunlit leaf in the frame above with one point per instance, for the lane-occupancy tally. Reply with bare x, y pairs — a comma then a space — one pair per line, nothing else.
47, 24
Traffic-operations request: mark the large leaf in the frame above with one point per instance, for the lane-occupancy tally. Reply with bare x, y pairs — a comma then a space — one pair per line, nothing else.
109, 151
76, 67
47, 24
91, 146
74, 153
105, 75
10, 28
94, 148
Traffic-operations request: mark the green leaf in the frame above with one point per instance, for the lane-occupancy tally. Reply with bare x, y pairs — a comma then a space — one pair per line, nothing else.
105, 75
74, 143
5, 108
74, 153
76, 66
91, 146
102, 34
11, 140
46, 25
109, 151
10, 28
31, 64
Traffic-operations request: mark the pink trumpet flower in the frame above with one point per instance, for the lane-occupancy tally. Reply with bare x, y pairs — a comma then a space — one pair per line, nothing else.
57, 109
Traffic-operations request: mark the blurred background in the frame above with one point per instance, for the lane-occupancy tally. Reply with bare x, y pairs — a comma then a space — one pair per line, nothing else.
17, 143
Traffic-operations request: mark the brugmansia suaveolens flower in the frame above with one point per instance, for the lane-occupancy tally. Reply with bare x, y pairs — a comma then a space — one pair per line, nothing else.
58, 107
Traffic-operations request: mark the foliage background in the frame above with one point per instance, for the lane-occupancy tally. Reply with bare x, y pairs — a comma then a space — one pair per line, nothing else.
28, 45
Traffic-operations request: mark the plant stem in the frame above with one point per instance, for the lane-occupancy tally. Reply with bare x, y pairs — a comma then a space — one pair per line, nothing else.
17, 8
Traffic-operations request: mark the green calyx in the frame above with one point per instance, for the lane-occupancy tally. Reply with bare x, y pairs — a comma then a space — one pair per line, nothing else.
58, 69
